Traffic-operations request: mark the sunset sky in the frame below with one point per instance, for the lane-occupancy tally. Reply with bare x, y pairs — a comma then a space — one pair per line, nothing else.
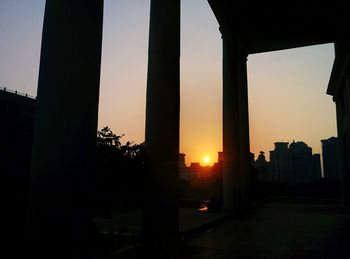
287, 89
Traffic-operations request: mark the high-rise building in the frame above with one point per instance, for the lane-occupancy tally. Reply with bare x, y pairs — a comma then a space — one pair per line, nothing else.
279, 162
294, 164
184, 172
220, 157
316, 167
330, 158
300, 156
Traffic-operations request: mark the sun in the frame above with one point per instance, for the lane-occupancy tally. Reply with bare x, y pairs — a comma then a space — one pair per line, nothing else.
206, 159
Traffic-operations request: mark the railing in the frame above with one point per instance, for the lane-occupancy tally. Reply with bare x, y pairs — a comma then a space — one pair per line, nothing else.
16, 92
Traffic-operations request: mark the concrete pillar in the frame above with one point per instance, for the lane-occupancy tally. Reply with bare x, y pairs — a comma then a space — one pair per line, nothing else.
160, 212
343, 121
341, 154
59, 222
245, 163
236, 166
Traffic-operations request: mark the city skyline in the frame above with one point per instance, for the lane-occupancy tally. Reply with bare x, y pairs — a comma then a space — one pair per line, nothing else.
287, 89
205, 162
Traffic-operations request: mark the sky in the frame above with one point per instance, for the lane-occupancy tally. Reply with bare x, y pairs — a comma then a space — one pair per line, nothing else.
287, 89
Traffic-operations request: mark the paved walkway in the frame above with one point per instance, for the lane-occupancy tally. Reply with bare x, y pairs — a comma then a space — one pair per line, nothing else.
279, 228
129, 222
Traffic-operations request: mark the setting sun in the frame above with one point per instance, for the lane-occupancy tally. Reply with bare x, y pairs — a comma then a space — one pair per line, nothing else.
206, 160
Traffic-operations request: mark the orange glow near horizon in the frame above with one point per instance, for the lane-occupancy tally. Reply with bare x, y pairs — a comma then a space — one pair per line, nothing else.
286, 89
206, 160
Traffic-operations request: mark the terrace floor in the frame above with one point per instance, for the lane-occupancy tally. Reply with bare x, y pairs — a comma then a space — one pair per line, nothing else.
276, 228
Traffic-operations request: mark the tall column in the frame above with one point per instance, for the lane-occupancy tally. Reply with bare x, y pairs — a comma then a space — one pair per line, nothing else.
236, 165
342, 165
160, 213
344, 142
59, 222
244, 164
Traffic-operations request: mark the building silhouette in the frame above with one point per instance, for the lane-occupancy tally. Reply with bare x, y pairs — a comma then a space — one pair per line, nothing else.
196, 170
185, 173
262, 168
218, 165
220, 157
17, 112
279, 162
330, 158
316, 167
339, 89
300, 163
293, 164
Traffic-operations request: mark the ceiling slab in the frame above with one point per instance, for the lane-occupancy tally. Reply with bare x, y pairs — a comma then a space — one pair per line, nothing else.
270, 25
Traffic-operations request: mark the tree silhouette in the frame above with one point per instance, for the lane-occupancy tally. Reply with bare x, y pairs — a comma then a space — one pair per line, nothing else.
110, 143
106, 137
119, 171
